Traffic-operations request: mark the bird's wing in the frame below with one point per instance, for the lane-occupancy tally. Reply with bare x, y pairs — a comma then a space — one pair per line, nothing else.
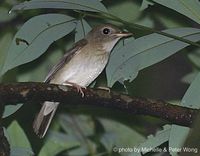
66, 58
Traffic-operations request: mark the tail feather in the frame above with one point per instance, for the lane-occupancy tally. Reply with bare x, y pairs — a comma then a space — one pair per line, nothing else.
44, 117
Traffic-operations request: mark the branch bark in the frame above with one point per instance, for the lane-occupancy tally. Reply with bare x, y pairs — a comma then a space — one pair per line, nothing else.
14, 93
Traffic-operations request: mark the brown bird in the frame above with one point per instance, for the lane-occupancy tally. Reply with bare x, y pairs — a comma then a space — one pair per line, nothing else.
79, 67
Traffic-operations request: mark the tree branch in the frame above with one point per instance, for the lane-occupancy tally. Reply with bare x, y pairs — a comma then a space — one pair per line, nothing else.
14, 93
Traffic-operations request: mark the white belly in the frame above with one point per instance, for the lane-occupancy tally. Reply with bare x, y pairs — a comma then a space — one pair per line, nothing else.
81, 72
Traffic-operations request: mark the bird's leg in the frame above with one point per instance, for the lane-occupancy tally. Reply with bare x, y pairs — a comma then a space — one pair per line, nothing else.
78, 87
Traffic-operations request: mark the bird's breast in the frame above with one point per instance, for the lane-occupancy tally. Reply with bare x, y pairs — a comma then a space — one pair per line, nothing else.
82, 69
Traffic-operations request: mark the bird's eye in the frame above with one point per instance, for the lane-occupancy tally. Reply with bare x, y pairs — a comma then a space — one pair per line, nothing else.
106, 31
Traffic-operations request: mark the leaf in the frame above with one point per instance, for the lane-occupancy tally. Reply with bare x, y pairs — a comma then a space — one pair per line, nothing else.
58, 142
188, 8
126, 62
192, 141
190, 77
194, 56
17, 137
4, 46
168, 22
127, 10
81, 151
10, 109
4, 16
146, 21
38, 70
108, 139
74, 124
122, 43
87, 5
145, 4
82, 29
156, 140
81, 127
119, 45
122, 133
42, 30
18, 151
12, 2
191, 99
85, 149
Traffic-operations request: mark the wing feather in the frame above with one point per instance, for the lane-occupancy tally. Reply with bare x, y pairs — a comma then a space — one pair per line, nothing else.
66, 58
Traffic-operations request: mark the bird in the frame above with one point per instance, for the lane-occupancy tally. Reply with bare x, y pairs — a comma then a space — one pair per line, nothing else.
79, 67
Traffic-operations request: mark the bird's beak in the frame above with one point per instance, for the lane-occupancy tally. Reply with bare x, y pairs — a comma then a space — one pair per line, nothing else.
123, 34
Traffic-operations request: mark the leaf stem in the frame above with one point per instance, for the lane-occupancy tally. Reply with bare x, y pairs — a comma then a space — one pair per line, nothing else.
109, 16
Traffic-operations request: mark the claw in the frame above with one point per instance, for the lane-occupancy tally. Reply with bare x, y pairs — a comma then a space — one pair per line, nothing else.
78, 87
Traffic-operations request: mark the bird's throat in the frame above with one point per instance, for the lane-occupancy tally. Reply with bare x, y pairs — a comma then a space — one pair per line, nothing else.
108, 46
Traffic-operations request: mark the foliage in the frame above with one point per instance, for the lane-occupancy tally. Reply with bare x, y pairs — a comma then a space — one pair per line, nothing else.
44, 29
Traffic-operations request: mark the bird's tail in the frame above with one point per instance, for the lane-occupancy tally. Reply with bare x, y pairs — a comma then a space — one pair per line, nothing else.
44, 117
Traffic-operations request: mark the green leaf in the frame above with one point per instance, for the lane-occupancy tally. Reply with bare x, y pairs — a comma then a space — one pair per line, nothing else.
126, 62
10, 109
35, 36
122, 43
73, 124
146, 21
108, 139
17, 137
127, 10
189, 8
81, 151
194, 56
38, 70
12, 2
146, 4
80, 126
87, 5
192, 141
122, 133
191, 99
4, 16
119, 45
18, 151
82, 29
190, 77
58, 142
156, 140
4, 46
85, 149
170, 22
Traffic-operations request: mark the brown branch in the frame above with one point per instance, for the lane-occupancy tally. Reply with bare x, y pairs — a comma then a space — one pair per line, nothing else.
30, 91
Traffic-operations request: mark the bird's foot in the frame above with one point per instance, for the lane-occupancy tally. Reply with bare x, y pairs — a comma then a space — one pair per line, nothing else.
78, 87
